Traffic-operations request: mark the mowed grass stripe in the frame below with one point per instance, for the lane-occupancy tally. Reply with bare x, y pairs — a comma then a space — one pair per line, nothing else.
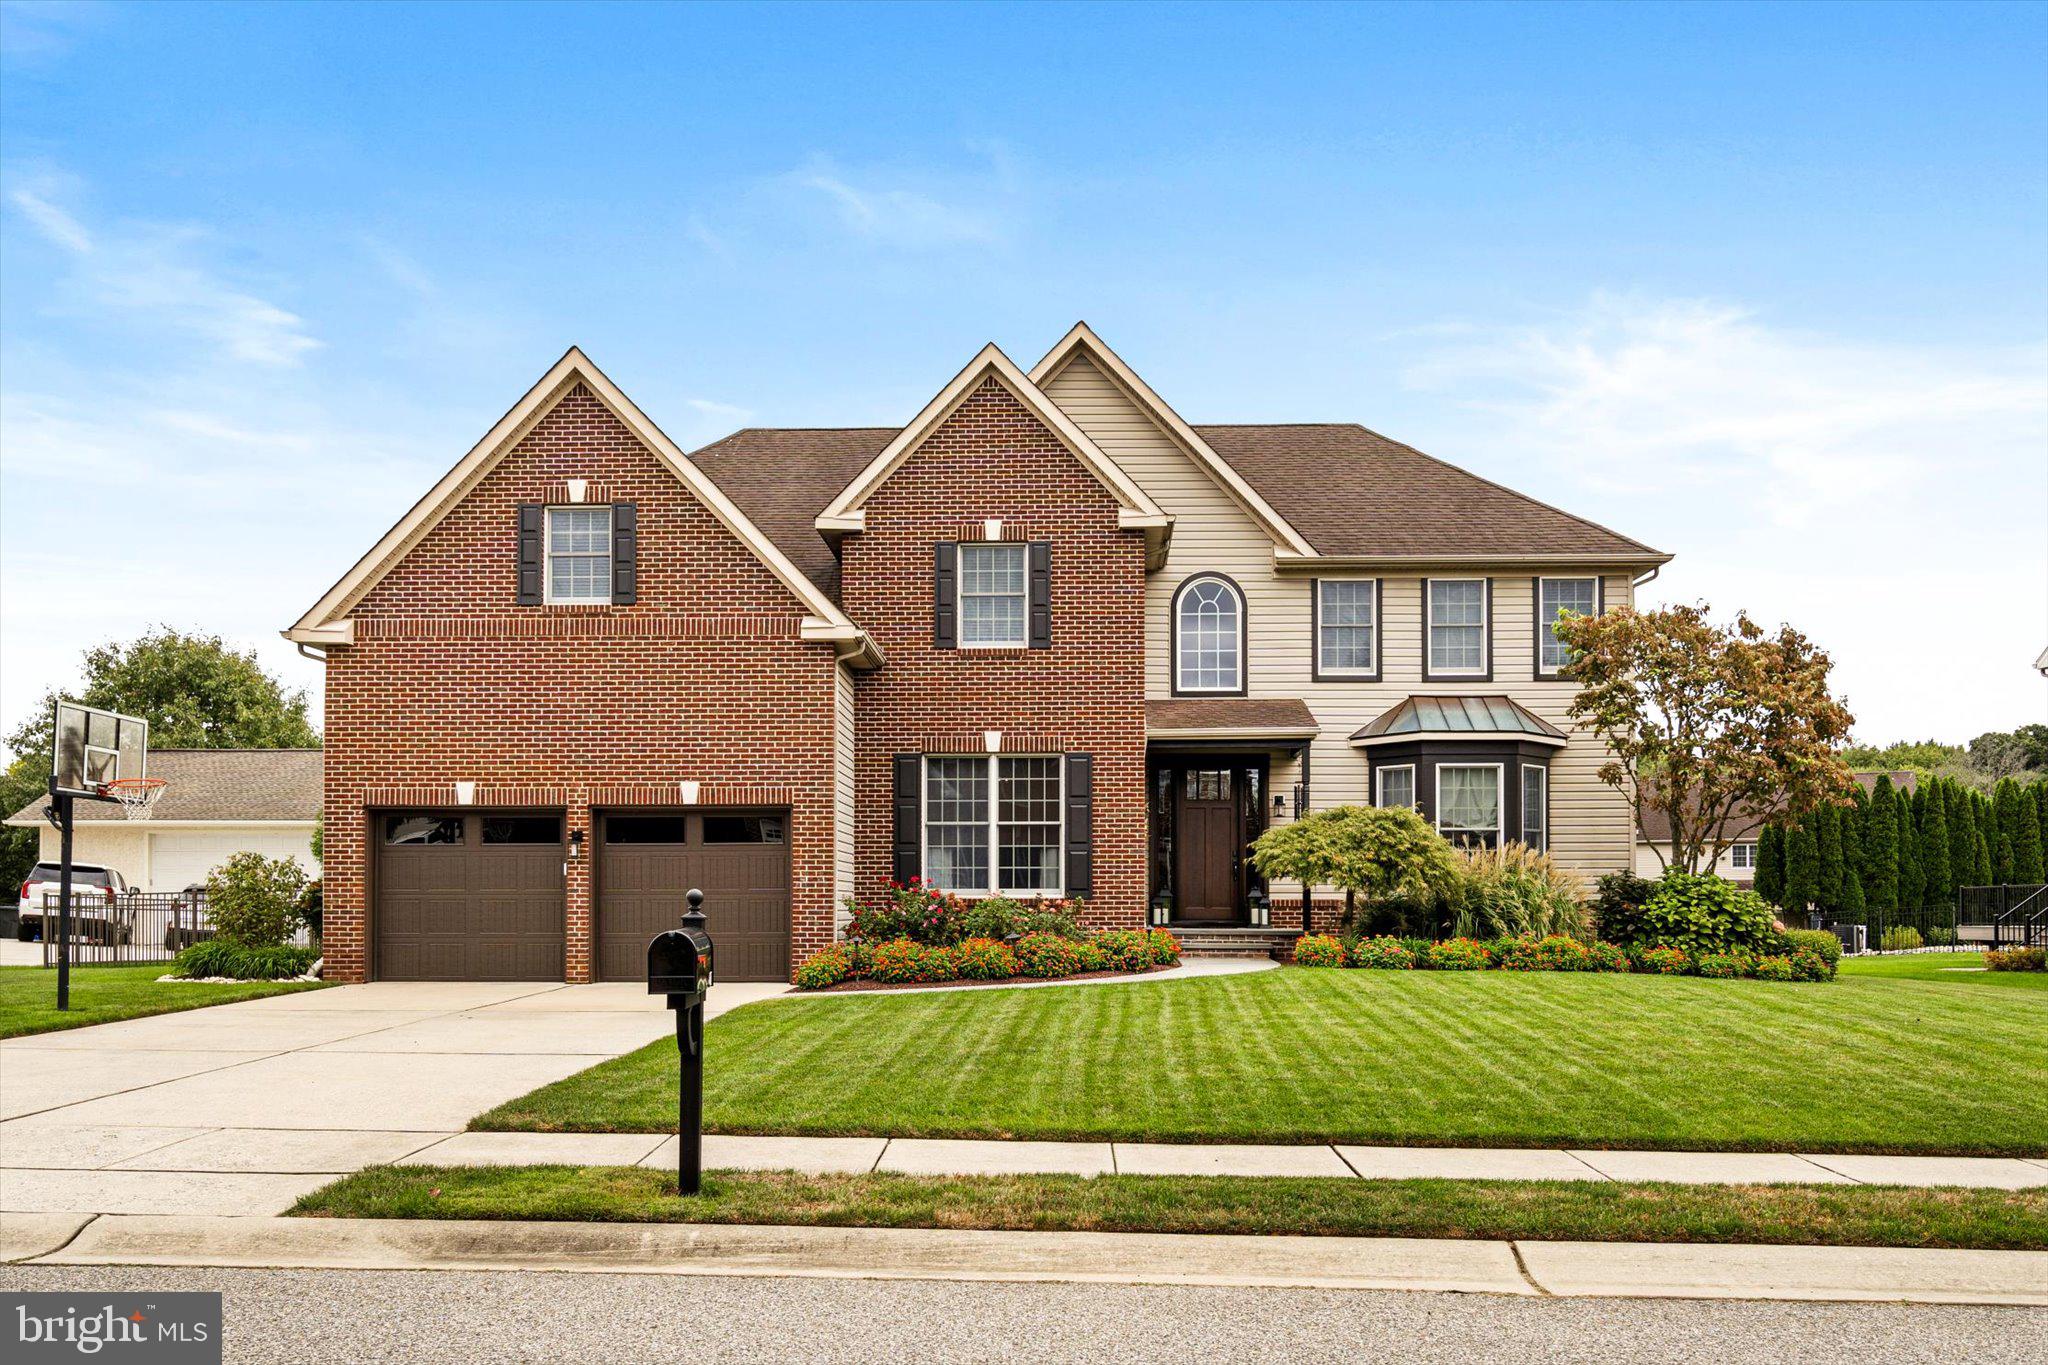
1424, 1058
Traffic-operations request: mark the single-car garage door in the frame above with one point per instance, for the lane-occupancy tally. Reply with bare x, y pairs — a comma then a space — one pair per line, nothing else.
468, 897
738, 859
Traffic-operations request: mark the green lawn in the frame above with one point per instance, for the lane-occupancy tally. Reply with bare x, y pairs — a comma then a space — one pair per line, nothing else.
1421, 1058
1952, 969
1837, 1215
99, 995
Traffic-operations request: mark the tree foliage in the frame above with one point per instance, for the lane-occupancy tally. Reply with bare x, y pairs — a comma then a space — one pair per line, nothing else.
1770, 864
1802, 869
1380, 852
256, 901
1881, 847
1726, 718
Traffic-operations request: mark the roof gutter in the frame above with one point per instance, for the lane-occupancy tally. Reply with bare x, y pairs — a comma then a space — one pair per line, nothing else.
1285, 560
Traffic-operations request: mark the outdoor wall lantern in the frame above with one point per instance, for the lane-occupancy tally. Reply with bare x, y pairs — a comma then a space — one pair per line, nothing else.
1262, 915
575, 844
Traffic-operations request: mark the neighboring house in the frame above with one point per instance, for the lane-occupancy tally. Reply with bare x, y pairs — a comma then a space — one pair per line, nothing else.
218, 802
1046, 639
1738, 862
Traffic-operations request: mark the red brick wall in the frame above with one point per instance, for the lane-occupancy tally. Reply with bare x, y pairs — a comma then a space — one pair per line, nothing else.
704, 678
992, 458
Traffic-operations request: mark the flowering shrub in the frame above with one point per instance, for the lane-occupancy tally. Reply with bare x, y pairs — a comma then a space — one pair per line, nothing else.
1723, 966
1660, 961
1088, 956
1606, 957
1817, 941
1387, 954
990, 917
902, 961
1047, 955
1811, 966
1125, 950
1318, 950
914, 910
826, 967
1061, 917
1165, 948
984, 959
1771, 968
860, 958
1458, 955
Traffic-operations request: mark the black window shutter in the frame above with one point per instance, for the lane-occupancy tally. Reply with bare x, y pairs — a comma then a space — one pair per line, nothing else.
529, 554
1080, 825
1040, 557
945, 595
909, 840
625, 553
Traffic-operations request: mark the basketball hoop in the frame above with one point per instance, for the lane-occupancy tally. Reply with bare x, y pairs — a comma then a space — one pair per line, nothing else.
136, 795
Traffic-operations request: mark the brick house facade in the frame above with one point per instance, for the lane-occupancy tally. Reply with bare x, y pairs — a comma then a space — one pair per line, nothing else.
588, 669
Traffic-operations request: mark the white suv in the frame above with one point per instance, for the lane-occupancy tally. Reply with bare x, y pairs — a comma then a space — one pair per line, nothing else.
95, 911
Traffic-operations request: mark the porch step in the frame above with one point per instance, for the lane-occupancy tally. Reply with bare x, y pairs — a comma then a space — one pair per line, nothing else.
1210, 941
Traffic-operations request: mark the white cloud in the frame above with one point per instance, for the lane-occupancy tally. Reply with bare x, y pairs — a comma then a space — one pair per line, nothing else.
722, 412
155, 277
1693, 395
908, 211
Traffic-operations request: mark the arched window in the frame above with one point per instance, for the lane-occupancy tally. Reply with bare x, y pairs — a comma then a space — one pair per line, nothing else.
1208, 624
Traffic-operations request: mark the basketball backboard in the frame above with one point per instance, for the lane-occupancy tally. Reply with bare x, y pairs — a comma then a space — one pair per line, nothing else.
94, 747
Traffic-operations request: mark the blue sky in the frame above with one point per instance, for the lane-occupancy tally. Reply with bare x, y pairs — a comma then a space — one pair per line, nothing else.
1764, 286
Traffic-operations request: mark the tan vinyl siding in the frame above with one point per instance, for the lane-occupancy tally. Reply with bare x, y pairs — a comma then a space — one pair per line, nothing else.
1591, 829
842, 793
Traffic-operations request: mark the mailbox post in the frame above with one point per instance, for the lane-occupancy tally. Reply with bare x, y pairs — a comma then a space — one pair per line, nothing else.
679, 967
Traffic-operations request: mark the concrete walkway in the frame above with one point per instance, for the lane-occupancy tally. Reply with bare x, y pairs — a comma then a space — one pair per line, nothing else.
940, 1156
1576, 1269
239, 1109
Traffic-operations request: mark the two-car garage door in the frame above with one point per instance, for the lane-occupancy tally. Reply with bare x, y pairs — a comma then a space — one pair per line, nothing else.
480, 897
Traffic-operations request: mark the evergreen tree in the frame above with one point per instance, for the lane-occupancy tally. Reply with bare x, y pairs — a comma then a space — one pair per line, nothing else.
2004, 828
1881, 848
2041, 800
1770, 864
1853, 904
1852, 848
1912, 884
1962, 834
2026, 850
1983, 874
1802, 869
1827, 833
1935, 868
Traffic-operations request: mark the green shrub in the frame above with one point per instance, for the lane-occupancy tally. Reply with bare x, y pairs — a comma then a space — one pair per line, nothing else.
1808, 965
860, 958
1606, 957
255, 901
1658, 960
1125, 950
1900, 938
1383, 953
1047, 955
1554, 953
224, 957
1704, 915
990, 917
1722, 966
1771, 968
2016, 959
1513, 891
1165, 948
984, 959
1940, 936
1458, 955
1062, 918
1419, 948
1819, 942
1318, 950
1618, 906
827, 967
903, 961
916, 910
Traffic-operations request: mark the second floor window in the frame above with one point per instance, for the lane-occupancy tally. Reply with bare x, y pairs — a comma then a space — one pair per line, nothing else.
992, 596
579, 554
1208, 620
1555, 597
1347, 627
1457, 627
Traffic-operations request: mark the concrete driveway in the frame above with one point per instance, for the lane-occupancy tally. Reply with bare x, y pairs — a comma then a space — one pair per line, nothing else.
239, 1109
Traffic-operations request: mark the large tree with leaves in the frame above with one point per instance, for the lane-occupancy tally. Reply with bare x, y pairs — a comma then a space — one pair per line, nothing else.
1706, 721
195, 692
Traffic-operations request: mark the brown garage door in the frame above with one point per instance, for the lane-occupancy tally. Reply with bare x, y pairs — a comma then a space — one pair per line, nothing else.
468, 897
738, 859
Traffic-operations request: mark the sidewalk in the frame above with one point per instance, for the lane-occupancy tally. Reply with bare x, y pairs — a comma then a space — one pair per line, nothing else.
1574, 1269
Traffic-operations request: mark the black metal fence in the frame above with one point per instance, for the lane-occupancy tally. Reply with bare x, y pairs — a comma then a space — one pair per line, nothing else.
135, 926
1904, 931
2004, 916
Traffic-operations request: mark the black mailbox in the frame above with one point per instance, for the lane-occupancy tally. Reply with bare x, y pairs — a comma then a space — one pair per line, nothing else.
678, 963
679, 967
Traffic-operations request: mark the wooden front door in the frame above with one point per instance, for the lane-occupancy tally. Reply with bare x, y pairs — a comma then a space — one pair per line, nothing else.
1209, 837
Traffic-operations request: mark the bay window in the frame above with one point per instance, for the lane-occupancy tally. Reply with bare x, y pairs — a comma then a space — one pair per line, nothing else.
1536, 806
1468, 803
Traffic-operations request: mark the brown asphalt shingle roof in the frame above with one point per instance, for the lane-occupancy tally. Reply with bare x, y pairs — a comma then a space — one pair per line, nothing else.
1348, 490
217, 784
1657, 822
1229, 713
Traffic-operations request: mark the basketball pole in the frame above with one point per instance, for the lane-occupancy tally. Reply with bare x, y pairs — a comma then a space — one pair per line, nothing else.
63, 802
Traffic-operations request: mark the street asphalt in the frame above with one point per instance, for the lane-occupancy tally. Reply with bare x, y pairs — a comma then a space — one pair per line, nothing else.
409, 1316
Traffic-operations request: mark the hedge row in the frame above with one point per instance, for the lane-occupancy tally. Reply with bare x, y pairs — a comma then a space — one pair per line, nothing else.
1804, 957
903, 961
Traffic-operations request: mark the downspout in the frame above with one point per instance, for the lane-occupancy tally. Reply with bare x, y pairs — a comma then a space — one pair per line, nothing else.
1301, 810
307, 652
1639, 581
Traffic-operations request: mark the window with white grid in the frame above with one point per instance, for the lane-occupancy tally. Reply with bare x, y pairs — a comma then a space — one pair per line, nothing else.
994, 824
1457, 625
1468, 803
1397, 786
1556, 596
1536, 806
1347, 625
1742, 857
992, 606
1209, 626
580, 554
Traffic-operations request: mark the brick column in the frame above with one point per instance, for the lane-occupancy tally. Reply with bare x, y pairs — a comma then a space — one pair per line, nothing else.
580, 956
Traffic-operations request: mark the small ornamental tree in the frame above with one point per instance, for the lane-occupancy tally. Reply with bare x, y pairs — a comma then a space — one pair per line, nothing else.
1827, 834
1770, 864
1802, 870
1713, 719
1380, 852
1881, 848
254, 901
